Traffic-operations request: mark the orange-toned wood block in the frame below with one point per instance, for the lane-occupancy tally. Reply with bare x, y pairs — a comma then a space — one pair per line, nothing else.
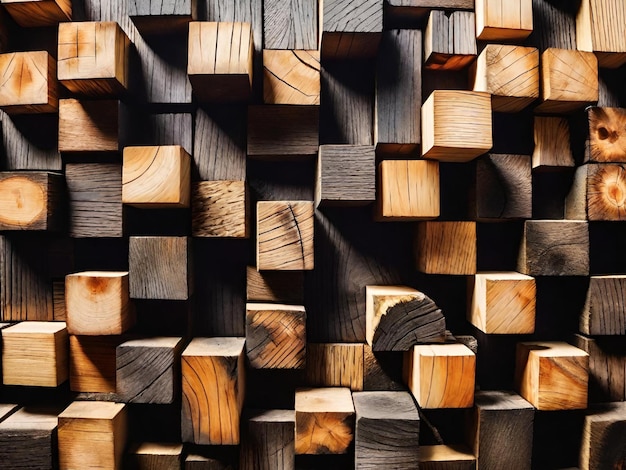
36, 13
503, 19
291, 77
29, 83
446, 247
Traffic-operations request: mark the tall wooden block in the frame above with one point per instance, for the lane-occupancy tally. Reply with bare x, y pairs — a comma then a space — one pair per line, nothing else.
34, 353
36, 13
92, 363
290, 24
598, 193
335, 365
604, 313
274, 286
601, 28
552, 143
607, 367
449, 40
156, 17
545, 370
29, 84
155, 455
93, 58
213, 390
503, 19
219, 209
443, 457
284, 235
456, 125
268, 440
601, 445
92, 435
607, 138
446, 247
291, 77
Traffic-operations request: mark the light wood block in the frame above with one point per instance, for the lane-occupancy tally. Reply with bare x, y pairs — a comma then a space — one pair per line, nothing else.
552, 143
507, 20
30, 84
92, 363
598, 193
268, 442
156, 456
152, 17
334, 365
290, 24
601, 28
444, 457
37, 13
450, 40
274, 286
446, 247
603, 312
220, 209
600, 446
607, 137
291, 77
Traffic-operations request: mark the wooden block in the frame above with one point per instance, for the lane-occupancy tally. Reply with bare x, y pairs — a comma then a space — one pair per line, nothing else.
510, 74
156, 456
31, 85
92, 435
503, 303
213, 390
544, 370
603, 313
601, 28
450, 40
93, 58
386, 430
552, 143
220, 60
505, 20
92, 363
274, 286
36, 13
58, 300
346, 175
554, 248
219, 209
607, 139
335, 365
598, 193
30, 142
291, 77
275, 336
443, 457
408, 190
607, 367
156, 177
268, 441
456, 125
290, 25
156, 17
160, 268
382, 371
202, 462
569, 80
284, 235
601, 445
446, 247
324, 420
34, 353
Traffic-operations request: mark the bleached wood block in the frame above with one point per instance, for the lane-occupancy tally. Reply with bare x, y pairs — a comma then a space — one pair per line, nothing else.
607, 135
157, 17
37, 13
503, 19
603, 312
156, 456
444, 457
268, 441
29, 84
450, 40
322, 360
92, 363
598, 193
601, 28
219, 209
446, 247
552, 143
291, 77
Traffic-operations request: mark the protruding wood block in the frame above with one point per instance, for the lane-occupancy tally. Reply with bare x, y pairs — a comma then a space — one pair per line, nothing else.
268, 441
34, 353
446, 247
274, 286
601, 446
598, 193
92, 435
450, 40
324, 420
219, 209
156, 456
552, 375
552, 143
213, 390
36, 13
456, 125
607, 135
386, 430
156, 17
29, 84
503, 19
503, 303
601, 28
275, 336
290, 25
335, 365
604, 313
285, 235
93, 58
92, 363
443, 457
291, 77
156, 177
441, 375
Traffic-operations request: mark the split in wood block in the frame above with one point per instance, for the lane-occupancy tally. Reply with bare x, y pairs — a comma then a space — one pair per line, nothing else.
92, 363
504, 19
291, 77
503, 303
603, 428
151, 455
604, 313
213, 390
34, 353
335, 365
446, 247
441, 375
324, 420
607, 135
219, 209
552, 143
92, 435
443, 457
456, 125
285, 235
598, 193
268, 442
275, 336
601, 28
37, 13
156, 17
274, 286
156, 177
29, 84
93, 58
450, 40
552, 375
220, 60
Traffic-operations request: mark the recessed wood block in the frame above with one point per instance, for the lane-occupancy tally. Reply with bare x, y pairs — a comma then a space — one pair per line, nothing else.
36, 13
29, 84
335, 365
446, 247
607, 367
156, 177
407, 190
505, 20
156, 455
552, 375
603, 313
552, 143
503, 303
275, 336
386, 430
607, 135
569, 80
450, 40
601, 442
219, 209
324, 420
291, 77
598, 193
285, 235
93, 58
220, 60
34, 353
274, 286
441, 375
156, 17
92, 435
92, 363
213, 390
443, 457
601, 28
268, 441
456, 125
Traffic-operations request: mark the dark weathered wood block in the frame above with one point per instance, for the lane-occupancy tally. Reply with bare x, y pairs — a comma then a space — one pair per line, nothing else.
30, 85
155, 455
30, 142
157, 17
268, 440
607, 367
603, 313
601, 443
290, 25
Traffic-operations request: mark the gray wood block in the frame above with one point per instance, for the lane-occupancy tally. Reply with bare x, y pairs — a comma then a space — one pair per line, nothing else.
607, 367
170, 129
602, 442
450, 40
30, 142
268, 440
161, 17
290, 24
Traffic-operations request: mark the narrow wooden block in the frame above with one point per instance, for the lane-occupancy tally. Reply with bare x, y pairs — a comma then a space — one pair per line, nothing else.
213, 390
284, 235
441, 375
290, 25
291, 77
603, 313
386, 430
598, 193
456, 125
503, 19
503, 303
274, 286
544, 370
156, 177
324, 420
268, 441
335, 365
30, 84
92, 363
156, 17
160, 268
443, 457
92, 435
36, 13
607, 138
552, 143
554, 248
219, 209
601, 28
275, 336
93, 58
34, 353
220, 60
450, 40
446, 247
156, 455
601, 445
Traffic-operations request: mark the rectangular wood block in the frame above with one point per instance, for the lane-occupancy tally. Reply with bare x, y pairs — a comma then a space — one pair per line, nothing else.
449, 40
156, 455
274, 286
156, 17
446, 247
598, 193
552, 143
335, 365
30, 83
290, 24
607, 138
603, 312
291, 77
37, 13
607, 367
599, 447
92, 363
268, 440
220, 209
443, 457
503, 20
601, 28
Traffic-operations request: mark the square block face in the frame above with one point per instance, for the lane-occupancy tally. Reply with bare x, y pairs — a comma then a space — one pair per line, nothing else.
606, 192
291, 77
322, 360
36, 13
219, 209
347, 16
607, 139
29, 84
603, 313
446, 247
89, 125
27, 200
503, 19
346, 174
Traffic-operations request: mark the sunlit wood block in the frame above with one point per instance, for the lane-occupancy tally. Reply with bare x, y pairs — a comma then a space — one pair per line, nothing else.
29, 83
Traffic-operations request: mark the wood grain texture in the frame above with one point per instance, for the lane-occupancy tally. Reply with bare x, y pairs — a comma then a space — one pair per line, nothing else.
158, 17
502, 20
607, 367
601, 445
291, 77
220, 209
601, 28
446, 247
598, 193
290, 25
334, 365
170, 129
30, 142
155, 456
444, 457
58, 301
554, 25
382, 371
552, 143
32, 14
450, 40
603, 312
29, 83
268, 440
274, 286
607, 139
92, 363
